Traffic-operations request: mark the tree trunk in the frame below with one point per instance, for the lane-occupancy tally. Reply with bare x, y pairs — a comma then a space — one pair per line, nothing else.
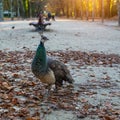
93, 10
18, 9
73, 8
22, 10
87, 9
30, 11
118, 7
67, 10
1, 10
81, 9
102, 11
107, 8
11, 9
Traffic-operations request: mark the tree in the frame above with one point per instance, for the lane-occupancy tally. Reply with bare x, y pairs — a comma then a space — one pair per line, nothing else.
18, 8
93, 10
69, 8
118, 7
11, 9
102, 11
1, 10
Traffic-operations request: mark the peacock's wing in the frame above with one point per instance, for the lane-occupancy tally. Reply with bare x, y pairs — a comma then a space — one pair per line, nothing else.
60, 70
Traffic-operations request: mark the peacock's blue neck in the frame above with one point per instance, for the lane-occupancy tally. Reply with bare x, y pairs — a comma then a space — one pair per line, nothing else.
40, 61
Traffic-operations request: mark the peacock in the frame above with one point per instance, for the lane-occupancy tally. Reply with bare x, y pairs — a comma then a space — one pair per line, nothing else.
48, 70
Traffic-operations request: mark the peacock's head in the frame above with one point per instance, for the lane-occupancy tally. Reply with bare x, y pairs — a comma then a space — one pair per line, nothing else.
44, 38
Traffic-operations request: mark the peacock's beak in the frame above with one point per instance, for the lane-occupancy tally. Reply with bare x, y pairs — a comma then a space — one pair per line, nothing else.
45, 38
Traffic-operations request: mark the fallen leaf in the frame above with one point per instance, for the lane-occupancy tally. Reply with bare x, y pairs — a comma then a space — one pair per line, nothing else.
108, 118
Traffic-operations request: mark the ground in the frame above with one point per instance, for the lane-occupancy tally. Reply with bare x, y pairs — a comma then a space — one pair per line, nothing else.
91, 52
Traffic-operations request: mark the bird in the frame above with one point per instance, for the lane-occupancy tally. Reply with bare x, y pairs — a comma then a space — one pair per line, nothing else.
40, 67
48, 70
13, 27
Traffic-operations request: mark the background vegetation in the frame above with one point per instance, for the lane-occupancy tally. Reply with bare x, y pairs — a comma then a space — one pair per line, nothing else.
68, 8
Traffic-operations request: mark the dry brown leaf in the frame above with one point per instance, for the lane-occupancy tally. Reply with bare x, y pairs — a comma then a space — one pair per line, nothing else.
5, 96
16, 75
30, 118
6, 85
15, 101
108, 118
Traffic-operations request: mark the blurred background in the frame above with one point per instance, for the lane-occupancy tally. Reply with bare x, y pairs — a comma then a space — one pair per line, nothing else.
81, 9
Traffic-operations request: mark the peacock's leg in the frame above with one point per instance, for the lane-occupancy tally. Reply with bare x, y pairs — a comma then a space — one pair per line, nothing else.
48, 90
58, 85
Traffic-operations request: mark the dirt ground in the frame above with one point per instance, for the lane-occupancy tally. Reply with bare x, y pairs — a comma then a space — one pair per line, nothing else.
63, 34
91, 50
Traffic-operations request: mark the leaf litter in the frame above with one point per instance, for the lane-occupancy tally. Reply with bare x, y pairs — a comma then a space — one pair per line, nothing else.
22, 96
